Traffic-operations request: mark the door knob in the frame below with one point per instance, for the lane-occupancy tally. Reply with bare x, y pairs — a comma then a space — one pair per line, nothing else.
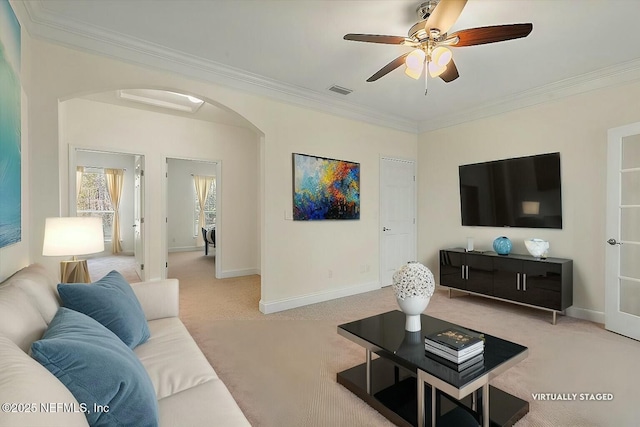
613, 242
386, 229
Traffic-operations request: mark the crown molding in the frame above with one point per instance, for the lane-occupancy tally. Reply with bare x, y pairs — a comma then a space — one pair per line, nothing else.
44, 24
619, 74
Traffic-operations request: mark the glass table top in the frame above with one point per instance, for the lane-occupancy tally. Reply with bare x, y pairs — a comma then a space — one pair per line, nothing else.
384, 335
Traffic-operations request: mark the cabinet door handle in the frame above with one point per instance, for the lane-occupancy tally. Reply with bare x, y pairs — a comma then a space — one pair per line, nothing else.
518, 281
524, 281
467, 268
462, 272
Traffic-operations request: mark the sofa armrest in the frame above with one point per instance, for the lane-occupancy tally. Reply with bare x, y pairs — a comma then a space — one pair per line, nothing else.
158, 298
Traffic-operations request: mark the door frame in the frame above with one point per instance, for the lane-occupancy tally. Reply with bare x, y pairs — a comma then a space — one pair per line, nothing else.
414, 229
616, 321
138, 213
72, 165
219, 216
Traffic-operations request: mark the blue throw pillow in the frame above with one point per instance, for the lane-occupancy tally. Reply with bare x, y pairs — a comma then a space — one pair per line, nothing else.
110, 301
99, 370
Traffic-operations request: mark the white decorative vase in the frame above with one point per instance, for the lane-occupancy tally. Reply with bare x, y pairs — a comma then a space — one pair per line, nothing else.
413, 308
413, 285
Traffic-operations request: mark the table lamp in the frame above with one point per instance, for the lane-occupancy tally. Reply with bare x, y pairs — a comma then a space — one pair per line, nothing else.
73, 236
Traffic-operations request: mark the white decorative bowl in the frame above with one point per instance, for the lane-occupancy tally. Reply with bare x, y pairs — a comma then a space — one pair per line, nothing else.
537, 247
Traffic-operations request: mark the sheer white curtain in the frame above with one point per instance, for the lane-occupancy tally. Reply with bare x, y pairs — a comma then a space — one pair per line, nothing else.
202, 184
115, 179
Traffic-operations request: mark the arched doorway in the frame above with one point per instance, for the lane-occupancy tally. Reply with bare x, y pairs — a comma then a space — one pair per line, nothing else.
105, 121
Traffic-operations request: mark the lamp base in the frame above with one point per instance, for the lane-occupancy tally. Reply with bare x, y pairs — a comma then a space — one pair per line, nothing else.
75, 271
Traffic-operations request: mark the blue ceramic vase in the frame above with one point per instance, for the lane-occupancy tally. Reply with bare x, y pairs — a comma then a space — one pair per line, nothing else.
502, 245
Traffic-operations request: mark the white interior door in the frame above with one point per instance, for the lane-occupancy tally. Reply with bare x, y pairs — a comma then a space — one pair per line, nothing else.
397, 216
138, 216
622, 295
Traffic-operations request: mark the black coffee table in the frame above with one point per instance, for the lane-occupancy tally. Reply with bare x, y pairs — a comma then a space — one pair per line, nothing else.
404, 378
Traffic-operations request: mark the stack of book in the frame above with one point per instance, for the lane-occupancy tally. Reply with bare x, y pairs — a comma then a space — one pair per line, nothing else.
460, 347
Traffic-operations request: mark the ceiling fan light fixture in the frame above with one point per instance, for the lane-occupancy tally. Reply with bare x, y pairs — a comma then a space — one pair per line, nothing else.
435, 70
414, 74
430, 35
441, 56
415, 63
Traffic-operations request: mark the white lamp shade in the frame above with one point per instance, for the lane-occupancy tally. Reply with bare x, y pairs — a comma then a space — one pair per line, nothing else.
71, 236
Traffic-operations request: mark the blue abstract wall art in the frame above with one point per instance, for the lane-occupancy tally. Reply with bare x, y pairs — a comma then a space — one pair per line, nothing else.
10, 131
325, 188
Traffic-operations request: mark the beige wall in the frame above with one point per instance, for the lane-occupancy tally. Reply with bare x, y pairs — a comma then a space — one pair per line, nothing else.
577, 128
295, 257
308, 250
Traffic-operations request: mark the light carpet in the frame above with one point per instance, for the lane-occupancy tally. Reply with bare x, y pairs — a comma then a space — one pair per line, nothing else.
281, 368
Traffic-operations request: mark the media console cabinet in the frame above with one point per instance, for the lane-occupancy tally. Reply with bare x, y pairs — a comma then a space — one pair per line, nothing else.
546, 284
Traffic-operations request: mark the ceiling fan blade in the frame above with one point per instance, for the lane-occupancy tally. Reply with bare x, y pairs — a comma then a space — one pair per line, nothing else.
451, 73
444, 15
493, 34
374, 38
389, 67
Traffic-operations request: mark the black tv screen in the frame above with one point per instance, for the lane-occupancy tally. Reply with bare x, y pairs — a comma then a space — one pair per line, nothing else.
520, 192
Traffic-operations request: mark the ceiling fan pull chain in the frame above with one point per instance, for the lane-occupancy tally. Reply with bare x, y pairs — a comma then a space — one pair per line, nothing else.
426, 77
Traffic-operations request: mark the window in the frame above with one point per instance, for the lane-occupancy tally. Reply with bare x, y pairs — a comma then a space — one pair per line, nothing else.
93, 198
209, 209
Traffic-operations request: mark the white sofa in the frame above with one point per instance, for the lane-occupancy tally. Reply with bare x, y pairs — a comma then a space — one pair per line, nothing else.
188, 390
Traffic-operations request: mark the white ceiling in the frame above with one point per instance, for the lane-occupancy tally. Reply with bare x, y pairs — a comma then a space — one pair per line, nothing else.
294, 50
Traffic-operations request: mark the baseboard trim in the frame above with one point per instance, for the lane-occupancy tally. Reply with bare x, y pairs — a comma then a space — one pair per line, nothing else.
237, 273
585, 314
268, 307
187, 249
107, 253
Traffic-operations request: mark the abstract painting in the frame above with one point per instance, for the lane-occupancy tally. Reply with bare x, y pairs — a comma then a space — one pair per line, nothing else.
10, 186
325, 188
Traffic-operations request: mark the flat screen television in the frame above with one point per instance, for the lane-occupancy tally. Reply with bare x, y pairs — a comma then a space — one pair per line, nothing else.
520, 192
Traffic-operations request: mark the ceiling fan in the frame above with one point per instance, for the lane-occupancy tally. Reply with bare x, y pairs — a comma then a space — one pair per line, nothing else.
431, 40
